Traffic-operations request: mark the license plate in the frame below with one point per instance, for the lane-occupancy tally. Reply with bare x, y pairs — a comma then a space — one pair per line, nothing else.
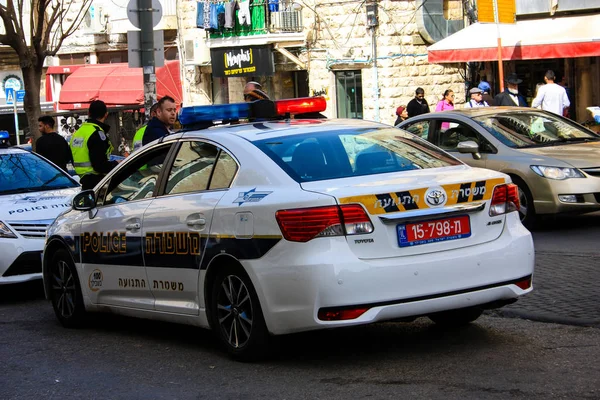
437, 230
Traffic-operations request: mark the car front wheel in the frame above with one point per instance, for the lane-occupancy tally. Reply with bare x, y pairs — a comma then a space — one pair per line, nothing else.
65, 291
237, 317
459, 317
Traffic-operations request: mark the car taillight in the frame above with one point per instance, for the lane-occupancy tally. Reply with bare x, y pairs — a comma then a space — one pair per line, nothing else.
505, 199
304, 224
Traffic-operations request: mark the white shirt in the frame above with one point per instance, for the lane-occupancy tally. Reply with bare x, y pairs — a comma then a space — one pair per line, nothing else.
474, 104
552, 97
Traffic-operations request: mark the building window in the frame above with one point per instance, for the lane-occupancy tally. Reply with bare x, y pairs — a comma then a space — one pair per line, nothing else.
111, 57
348, 85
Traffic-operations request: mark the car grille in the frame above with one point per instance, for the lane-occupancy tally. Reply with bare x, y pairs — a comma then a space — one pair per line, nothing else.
592, 171
30, 229
29, 262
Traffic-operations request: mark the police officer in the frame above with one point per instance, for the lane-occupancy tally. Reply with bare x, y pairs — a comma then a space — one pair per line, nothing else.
139, 134
91, 147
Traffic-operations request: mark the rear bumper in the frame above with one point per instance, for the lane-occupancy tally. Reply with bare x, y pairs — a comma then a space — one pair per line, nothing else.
294, 283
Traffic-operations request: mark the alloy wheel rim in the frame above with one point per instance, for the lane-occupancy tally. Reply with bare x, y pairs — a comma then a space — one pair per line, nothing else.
63, 287
522, 204
234, 311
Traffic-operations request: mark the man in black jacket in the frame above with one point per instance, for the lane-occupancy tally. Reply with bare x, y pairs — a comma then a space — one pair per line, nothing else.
511, 96
166, 114
51, 145
418, 105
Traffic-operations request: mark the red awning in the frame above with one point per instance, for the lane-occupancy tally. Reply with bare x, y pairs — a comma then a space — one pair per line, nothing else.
63, 69
564, 37
117, 85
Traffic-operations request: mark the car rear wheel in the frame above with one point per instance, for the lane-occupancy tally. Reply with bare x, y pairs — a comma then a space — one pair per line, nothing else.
237, 317
526, 207
65, 291
459, 317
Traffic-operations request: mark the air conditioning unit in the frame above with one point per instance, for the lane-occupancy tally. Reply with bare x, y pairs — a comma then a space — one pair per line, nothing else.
196, 51
286, 21
94, 20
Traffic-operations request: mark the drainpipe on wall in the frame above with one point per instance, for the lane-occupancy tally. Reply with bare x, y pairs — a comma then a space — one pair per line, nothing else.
372, 23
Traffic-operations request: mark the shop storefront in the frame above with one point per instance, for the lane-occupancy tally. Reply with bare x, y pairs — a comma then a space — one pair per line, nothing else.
232, 67
568, 45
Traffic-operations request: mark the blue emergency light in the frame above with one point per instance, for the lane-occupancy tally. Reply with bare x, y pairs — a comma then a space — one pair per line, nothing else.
260, 109
4, 135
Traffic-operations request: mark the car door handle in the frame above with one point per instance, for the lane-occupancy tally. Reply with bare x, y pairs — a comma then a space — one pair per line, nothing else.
133, 227
194, 222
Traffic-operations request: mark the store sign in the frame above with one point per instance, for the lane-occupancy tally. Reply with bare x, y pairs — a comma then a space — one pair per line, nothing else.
242, 61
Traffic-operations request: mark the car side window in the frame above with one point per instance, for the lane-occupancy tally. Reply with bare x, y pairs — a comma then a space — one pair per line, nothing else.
192, 168
452, 133
224, 172
420, 129
135, 181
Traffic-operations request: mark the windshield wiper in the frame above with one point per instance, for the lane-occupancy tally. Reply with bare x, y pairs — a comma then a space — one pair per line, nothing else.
55, 177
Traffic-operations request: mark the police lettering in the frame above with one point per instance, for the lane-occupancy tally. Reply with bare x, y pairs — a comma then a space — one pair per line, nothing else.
168, 285
109, 242
180, 243
132, 283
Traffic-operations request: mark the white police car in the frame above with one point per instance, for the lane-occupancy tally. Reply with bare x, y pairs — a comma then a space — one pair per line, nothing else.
290, 225
33, 192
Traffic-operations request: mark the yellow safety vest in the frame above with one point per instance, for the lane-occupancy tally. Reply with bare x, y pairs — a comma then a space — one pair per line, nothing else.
138, 138
80, 151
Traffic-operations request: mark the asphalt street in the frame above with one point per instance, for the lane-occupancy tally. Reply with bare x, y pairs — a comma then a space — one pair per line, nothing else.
566, 276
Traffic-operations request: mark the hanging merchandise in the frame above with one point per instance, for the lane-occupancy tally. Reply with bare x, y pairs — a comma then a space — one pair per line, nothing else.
244, 13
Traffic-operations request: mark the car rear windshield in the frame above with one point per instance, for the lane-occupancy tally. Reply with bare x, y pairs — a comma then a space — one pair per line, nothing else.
343, 153
534, 129
27, 172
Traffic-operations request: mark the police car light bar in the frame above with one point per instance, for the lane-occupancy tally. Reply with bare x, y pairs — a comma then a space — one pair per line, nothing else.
257, 109
3, 135
301, 105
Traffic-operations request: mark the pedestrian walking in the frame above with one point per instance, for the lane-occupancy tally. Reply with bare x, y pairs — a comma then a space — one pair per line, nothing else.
476, 99
402, 115
487, 92
446, 103
418, 105
92, 148
166, 114
52, 145
552, 97
139, 134
511, 96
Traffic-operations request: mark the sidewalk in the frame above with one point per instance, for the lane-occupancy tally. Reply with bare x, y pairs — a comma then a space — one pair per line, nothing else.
566, 290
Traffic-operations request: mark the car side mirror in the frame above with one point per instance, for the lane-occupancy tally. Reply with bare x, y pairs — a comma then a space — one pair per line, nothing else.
469, 146
84, 200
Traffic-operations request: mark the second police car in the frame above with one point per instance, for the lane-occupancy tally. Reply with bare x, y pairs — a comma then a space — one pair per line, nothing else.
290, 225
33, 191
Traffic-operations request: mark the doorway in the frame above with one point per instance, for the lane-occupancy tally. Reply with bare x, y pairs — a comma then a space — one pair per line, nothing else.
348, 85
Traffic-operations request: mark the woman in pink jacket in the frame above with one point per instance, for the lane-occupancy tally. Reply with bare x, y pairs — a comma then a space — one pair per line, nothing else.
446, 103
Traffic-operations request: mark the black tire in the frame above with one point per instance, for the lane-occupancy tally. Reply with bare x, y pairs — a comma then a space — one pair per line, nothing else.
458, 317
236, 315
527, 212
65, 291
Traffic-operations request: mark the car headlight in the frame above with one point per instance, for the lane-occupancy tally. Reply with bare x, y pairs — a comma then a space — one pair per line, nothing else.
5, 232
559, 173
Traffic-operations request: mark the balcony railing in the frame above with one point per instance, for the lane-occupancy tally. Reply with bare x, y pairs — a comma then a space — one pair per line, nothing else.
259, 18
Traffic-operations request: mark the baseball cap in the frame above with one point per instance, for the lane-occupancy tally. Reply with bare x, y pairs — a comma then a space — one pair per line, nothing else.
484, 86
